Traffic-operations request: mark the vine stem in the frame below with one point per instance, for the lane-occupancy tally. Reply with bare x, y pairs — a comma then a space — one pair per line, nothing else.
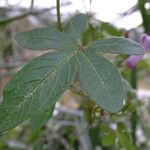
145, 15
32, 4
134, 114
59, 26
146, 22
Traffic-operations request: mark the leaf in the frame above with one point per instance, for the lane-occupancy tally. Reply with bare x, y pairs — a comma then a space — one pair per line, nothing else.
106, 129
38, 144
101, 80
75, 27
117, 45
44, 38
108, 140
39, 84
124, 137
91, 34
40, 119
120, 127
110, 29
125, 141
36, 87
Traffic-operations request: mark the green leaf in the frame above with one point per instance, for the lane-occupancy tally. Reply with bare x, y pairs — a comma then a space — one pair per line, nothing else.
44, 38
125, 141
41, 118
120, 127
76, 26
39, 84
117, 45
106, 129
110, 29
124, 137
108, 140
101, 80
38, 144
91, 34
36, 87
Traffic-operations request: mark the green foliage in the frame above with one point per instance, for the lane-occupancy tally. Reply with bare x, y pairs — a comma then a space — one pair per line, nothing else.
101, 80
44, 38
117, 45
75, 27
124, 138
40, 83
108, 140
36, 87
41, 119
106, 129
110, 29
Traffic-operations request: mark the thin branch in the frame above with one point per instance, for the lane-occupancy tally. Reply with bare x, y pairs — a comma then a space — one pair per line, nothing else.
27, 13
58, 15
11, 19
32, 4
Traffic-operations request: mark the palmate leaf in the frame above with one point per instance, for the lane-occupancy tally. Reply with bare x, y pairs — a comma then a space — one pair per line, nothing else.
71, 28
38, 85
50, 38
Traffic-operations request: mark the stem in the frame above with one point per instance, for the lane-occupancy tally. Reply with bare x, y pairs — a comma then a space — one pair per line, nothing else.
90, 11
32, 4
146, 23
134, 78
58, 15
145, 15
134, 115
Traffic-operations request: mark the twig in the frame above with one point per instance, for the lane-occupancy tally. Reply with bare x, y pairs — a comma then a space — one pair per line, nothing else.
11, 19
58, 15
32, 4
27, 13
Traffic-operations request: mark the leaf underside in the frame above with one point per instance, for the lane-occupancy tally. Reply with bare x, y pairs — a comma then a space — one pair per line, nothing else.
43, 39
75, 27
116, 45
36, 88
101, 80
40, 119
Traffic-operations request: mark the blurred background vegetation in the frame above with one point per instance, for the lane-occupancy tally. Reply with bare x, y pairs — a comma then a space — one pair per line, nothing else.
77, 123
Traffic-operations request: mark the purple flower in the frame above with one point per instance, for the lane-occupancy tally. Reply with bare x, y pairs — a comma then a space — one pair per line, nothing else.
132, 60
145, 41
